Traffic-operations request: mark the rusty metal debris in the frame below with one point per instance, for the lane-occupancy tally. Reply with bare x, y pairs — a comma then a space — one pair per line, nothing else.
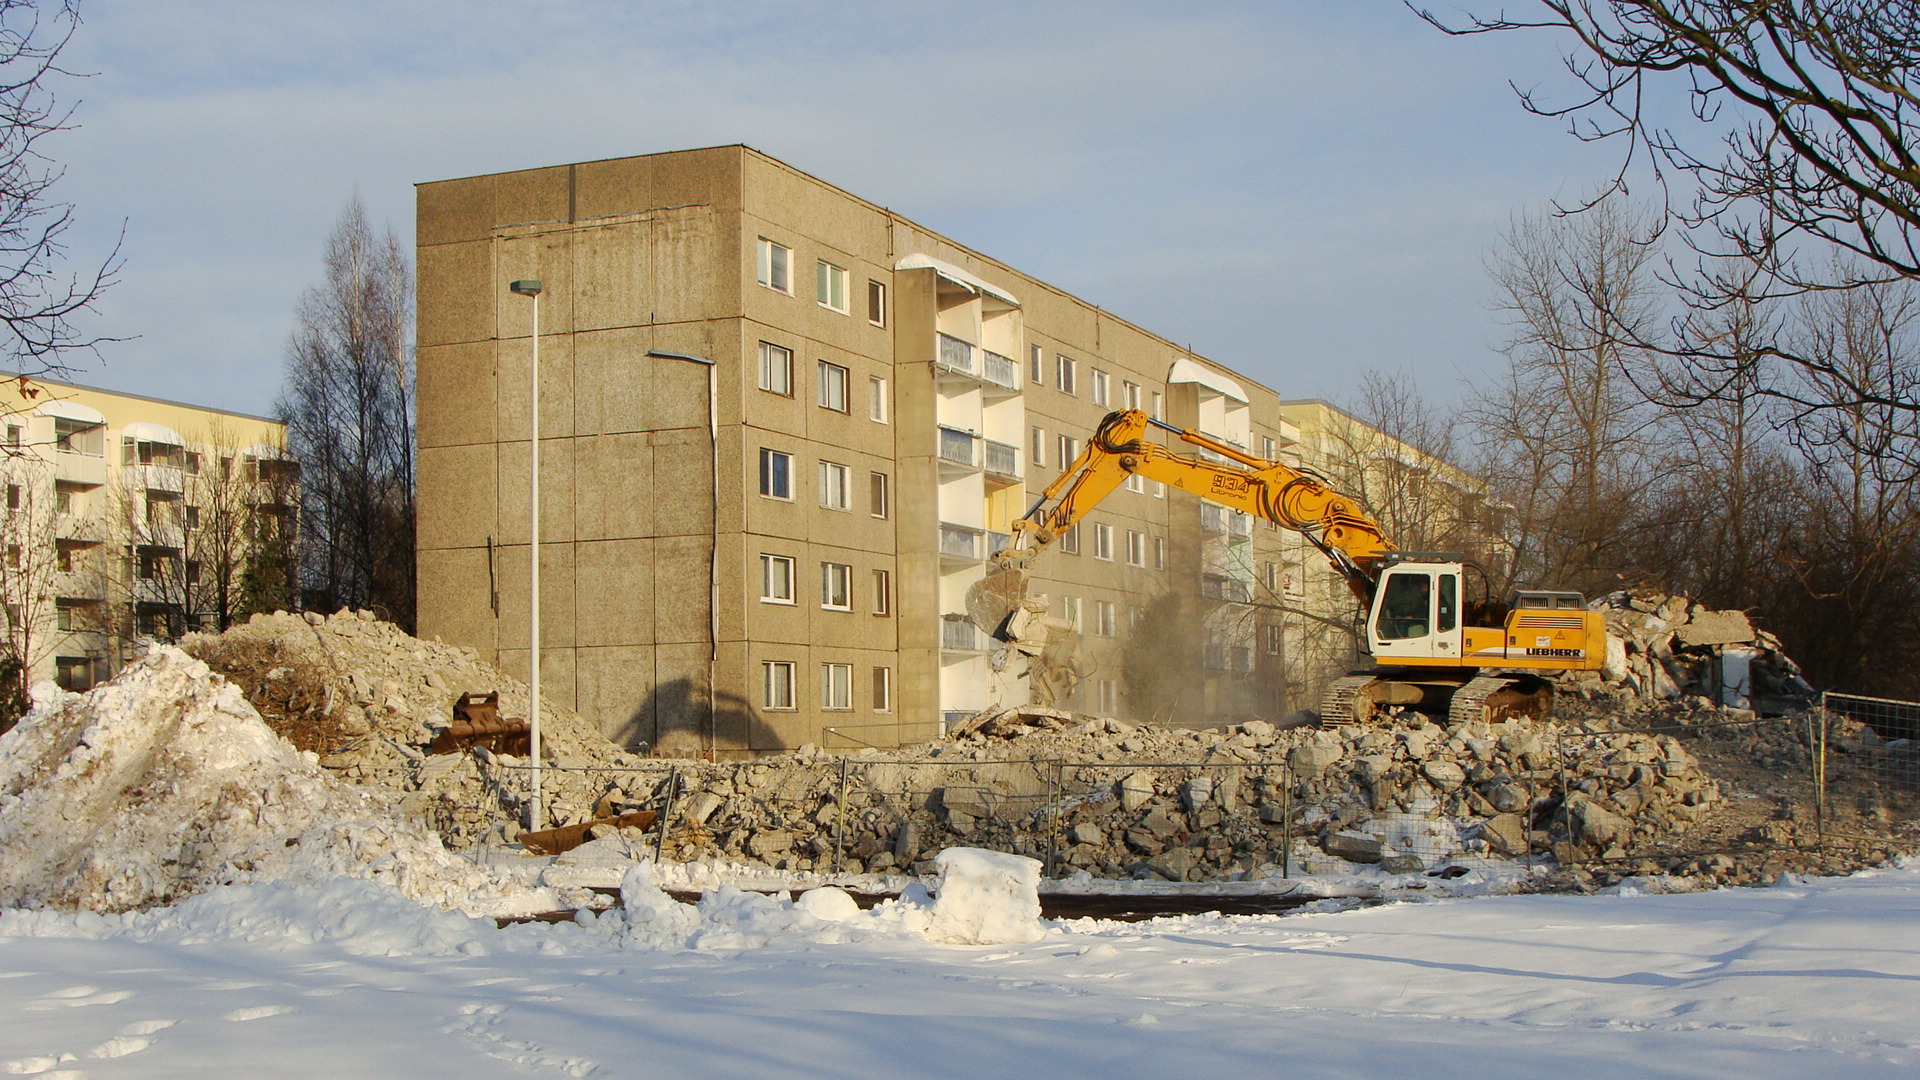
568, 837
477, 722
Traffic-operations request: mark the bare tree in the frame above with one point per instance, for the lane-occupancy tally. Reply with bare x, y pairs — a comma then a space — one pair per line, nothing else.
348, 401
1803, 147
1565, 437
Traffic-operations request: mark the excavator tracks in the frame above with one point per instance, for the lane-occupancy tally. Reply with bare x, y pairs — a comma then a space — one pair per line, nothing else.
1345, 701
1493, 698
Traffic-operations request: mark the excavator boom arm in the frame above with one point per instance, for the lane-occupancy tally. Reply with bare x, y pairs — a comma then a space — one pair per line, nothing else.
1295, 498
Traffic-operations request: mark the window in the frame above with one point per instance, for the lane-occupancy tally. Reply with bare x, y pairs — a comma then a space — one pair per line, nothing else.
193, 572
72, 615
879, 401
1063, 373
1103, 542
1070, 610
1153, 405
1271, 634
833, 485
833, 387
774, 259
1037, 453
13, 434
776, 474
836, 586
63, 559
1097, 387
193, 463
1103, 620
1036, 366
1159, 553
879, 495
1130, 394
63, 500
1070, 541
1266, 447
882, 689
830, 286
13, 496
1159, 489
1069, 450
1136, 484
776, 579
1136, 549
192, 516
1270, 573
777, 684
776, 369
1109, 696
876, 303
836, 687
882, 592
13, 556
81, 437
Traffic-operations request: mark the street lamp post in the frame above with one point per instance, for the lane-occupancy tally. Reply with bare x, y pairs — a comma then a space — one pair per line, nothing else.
535, 819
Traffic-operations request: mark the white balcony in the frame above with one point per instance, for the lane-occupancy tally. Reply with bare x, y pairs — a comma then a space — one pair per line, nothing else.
77, 527
1002, 460
956, 355
1000, 371
958, 634
959, 449
165, 478
959, 544
88, 470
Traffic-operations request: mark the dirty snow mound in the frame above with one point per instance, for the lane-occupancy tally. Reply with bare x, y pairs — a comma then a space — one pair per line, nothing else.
165, 782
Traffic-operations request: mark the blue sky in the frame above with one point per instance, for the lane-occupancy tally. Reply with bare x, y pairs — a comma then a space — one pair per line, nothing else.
1299, 190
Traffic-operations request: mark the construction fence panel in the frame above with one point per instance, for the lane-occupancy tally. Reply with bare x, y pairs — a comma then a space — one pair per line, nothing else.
1868, 762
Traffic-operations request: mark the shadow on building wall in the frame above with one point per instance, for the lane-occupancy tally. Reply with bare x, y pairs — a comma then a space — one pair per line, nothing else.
673, 722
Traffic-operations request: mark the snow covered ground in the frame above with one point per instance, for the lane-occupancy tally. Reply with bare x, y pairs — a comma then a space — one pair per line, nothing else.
348, 978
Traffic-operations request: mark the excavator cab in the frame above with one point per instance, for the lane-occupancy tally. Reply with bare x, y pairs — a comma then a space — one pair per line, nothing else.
1416, 611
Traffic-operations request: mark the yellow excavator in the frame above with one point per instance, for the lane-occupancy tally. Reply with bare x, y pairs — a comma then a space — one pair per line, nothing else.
1434, 650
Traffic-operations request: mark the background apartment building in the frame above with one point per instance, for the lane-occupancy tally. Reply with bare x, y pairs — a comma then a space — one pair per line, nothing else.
886, 403
129, 517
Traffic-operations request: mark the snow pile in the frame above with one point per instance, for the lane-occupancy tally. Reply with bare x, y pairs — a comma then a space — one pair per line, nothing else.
986, 898
165, 782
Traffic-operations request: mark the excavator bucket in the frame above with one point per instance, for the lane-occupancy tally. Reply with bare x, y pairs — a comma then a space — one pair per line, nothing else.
993, 599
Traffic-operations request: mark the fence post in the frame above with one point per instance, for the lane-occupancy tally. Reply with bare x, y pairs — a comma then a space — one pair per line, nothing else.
1286, 821
1566, 794
666, 812
1053, 816
840, 816
1817, 734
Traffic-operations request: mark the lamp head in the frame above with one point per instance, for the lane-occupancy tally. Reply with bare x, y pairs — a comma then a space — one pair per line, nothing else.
525, 288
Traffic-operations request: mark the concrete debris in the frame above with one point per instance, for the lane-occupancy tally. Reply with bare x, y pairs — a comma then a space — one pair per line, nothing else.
371, 701
1664, 648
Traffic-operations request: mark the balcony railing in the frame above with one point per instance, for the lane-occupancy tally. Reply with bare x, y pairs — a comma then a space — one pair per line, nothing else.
1239, 524
958, 447
158, 478
959, 542
998, 542
956, 354
1213, 518
1217, 587
1001, 370
89, 470
1002, 459
958, 634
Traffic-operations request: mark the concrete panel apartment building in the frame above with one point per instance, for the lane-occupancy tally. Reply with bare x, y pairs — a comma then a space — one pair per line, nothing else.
792, 567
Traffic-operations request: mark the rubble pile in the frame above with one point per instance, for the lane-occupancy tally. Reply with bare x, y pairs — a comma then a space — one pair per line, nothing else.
164, 782
1664, 648
370, 701
1407, 796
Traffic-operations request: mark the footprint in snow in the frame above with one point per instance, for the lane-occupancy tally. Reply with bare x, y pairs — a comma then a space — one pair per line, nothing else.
76, 996
259, 1012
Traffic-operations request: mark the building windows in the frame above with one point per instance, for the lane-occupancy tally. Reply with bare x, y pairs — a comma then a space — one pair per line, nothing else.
836, 586
1266, 447
833, 485
1109, 697
879, 495
1070, 610
876, 303
1159, 489
1068, 448
882, 592
1037, 453
13, 496
1272, 636
1136, 549
1104, 623
830, 286
1097, 387
776, 690
776, 474
63, 558
13, 434
833, 387
1271, 573
191, 516
883, 689
193, 463
774, 262
1103, 542
1130, 394
1135, 484
1159, 553
879, 400
1036, 366
82, 437
776, 579
776, 369
1153, 405
1063, 373
836, 687
1070, 541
